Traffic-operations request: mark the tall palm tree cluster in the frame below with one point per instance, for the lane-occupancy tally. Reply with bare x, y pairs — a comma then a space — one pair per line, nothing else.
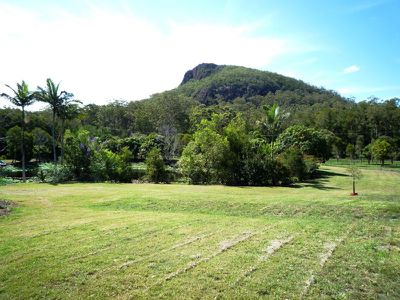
61, 103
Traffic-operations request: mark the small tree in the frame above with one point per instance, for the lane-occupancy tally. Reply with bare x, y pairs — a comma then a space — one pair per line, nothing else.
359, 146
155, 166
350, 151
380, 150
355, 174
366, 153
41, 143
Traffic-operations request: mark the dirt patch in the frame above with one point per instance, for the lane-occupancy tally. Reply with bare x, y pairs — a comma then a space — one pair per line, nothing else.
5, 207
274, 246
329, 248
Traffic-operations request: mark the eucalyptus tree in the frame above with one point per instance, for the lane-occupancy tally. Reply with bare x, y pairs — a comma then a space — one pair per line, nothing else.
51, 95
22, 98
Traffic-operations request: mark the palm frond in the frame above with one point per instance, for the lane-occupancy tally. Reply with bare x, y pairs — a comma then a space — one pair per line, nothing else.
22, 96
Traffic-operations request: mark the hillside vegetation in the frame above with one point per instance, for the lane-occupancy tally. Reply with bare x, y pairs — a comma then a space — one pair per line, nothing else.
209, 83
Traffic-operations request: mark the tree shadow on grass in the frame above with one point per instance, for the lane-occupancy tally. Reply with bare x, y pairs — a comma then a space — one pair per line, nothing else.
328, 174
320, 182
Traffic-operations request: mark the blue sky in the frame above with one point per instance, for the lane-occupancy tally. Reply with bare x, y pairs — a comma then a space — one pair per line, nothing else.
105, 50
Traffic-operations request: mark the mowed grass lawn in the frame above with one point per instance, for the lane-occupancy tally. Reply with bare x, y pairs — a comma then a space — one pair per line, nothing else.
126, 241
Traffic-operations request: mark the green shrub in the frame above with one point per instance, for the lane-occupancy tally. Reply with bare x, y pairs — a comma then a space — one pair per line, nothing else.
107, 165
203, 159
10, 171
51, 173
293, 160
155, 171
265, 171
312, 165
174, 174
7, 180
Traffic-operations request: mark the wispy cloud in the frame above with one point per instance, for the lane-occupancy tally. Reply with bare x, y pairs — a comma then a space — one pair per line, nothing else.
351, 69
105, 54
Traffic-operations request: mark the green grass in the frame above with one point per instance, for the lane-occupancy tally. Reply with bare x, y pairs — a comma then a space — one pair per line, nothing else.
373, 165
125, 241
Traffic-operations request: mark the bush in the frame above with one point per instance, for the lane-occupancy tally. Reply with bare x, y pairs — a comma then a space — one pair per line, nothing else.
293, 160
51, 173
203, 159
265, 171
312, 166
156, 171
7, 180
174, 174
107, 165
10, 171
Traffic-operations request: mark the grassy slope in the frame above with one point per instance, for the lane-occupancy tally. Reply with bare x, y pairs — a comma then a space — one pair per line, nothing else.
141, 241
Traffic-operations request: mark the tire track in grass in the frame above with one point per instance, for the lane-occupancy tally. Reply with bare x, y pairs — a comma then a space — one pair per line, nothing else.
273, 247
329, 249
136, 238
223, 247
179, 245
145, 237
89, 236
116, 230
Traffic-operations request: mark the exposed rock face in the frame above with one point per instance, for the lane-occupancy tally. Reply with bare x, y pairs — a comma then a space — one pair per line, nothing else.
200, 72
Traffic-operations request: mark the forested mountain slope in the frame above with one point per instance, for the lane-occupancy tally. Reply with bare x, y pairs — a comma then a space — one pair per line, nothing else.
211, 83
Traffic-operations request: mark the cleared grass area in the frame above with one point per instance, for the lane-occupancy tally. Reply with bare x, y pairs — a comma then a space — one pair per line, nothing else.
363, 163
126, 241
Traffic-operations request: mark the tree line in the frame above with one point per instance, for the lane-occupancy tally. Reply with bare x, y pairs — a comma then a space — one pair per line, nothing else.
260, 140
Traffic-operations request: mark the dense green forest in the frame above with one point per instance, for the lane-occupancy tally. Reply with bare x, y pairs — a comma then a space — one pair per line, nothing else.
222, 124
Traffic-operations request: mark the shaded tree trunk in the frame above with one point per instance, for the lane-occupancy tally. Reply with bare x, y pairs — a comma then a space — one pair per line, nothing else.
62, 140
53, 136
23, 145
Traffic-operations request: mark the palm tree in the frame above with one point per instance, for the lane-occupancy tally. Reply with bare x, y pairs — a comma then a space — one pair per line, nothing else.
22, 97
272, 123
56, 100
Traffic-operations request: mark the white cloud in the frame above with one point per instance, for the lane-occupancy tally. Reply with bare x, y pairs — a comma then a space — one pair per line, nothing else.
104, 54
351, 69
